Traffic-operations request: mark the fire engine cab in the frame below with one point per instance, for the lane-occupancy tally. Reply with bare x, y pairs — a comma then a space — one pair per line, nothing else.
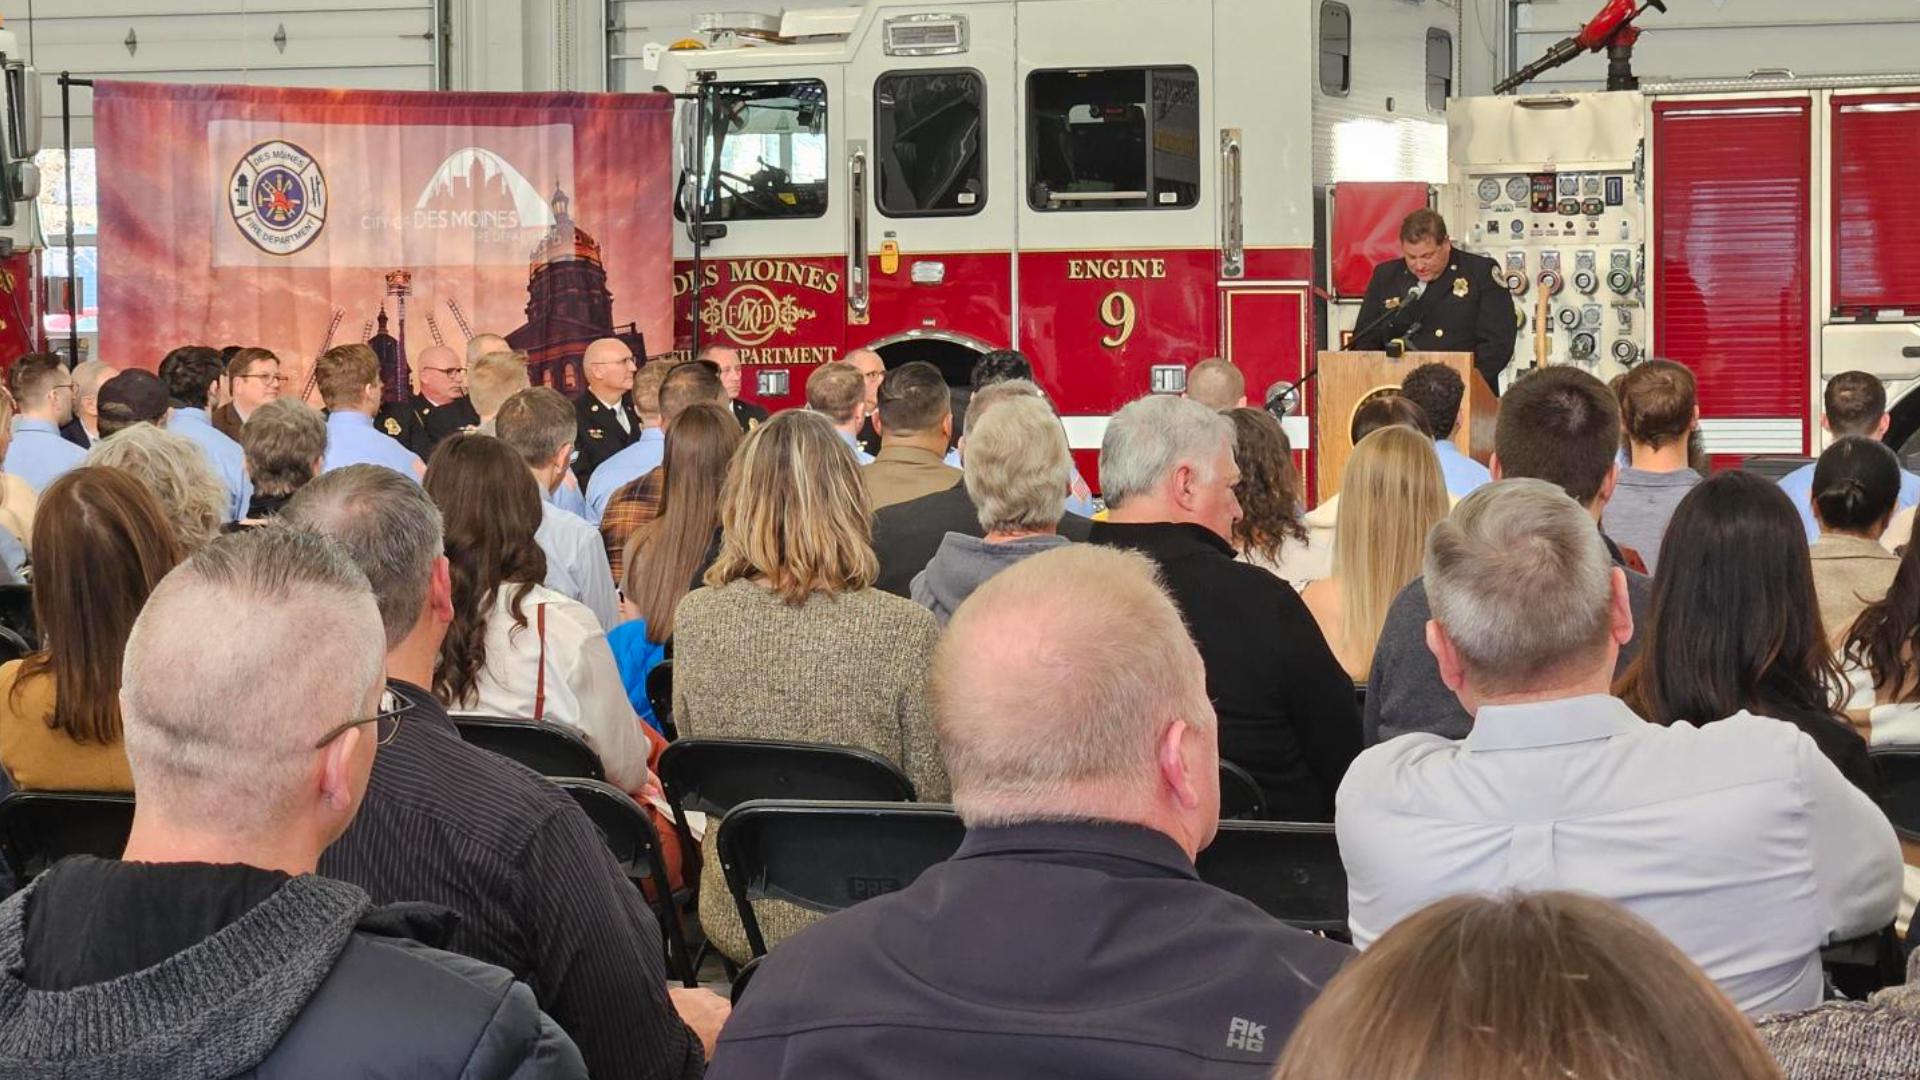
1118, 188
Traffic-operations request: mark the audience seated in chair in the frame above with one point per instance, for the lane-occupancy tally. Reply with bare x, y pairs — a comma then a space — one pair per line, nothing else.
286, 444
448, 823
1391, 492
132, 397
1217, 384
1269, 491
667, 557
637, 502
1854, 403
1438, 390
43, 392
1855, 485
1287, 711
175, 471
1018, 468
1737, 839
1734, 627
517, 648
212, 948
1524, 985
1876, 1039
827, 658
88, 377
915, 422
348, 377
1557, 424
540, 426
1311, 558
1069, 936
104, 546
838, 392
492, 379
1661, 415
906, 535
193, 374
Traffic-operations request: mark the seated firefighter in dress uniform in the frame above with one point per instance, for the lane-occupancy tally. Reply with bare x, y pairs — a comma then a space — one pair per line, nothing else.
1436, 298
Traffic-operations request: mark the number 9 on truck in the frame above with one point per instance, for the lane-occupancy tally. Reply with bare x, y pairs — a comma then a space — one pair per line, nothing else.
1118, 314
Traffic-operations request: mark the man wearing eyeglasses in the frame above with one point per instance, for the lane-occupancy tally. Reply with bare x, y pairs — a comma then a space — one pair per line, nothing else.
440, 408
43, 391
609, 422
212, 947
253, 379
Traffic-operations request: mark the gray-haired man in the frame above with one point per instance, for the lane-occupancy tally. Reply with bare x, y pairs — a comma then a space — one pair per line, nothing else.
1738, 840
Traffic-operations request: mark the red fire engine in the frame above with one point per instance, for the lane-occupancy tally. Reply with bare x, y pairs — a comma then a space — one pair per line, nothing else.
1118, 188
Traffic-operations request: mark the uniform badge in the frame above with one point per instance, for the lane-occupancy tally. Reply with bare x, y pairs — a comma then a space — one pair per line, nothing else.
392, 427
1393, 302
1460, 286
595, 434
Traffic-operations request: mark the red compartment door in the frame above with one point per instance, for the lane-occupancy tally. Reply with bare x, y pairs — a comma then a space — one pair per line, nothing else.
1732, 279
1876, 221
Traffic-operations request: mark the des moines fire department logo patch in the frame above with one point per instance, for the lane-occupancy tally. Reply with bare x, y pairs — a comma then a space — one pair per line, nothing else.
278, 197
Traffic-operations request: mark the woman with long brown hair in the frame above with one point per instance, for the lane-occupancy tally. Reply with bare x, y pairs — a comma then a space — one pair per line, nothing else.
667, 555
833, 659
516, 648
104, 543
1269, 490
1542, 986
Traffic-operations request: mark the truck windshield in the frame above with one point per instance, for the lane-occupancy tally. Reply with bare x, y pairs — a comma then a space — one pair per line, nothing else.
766, 152
1113, 139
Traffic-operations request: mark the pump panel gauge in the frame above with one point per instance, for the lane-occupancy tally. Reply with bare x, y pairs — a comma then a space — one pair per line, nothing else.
1518, 188
1489, 190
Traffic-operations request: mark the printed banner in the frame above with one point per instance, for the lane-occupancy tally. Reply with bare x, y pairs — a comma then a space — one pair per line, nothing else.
298, 219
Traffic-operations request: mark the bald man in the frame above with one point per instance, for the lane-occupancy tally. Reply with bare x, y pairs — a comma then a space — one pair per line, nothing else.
872, 369
440, 408
609, 422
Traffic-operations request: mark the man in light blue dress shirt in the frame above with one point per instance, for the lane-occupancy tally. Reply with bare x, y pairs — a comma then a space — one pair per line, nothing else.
540, 425
1856, 404
349, 381
192, 372
43, 392
838, 392
1438, 390
1739, 840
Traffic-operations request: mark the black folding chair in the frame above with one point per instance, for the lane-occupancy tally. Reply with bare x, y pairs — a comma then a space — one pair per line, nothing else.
660, 696
13, 646
16, 613
1240, 795
1290, 870
1897, 769
635, 844
713, 776
828, 856
551, 750
38, 828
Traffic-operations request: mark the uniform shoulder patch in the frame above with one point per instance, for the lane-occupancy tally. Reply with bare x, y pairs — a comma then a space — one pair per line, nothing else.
392, 427
1460, 286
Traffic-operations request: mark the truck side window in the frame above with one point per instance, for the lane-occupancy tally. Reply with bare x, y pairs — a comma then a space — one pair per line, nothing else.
1113, 139
1439, 70
1336, 48
929, 129
766, 152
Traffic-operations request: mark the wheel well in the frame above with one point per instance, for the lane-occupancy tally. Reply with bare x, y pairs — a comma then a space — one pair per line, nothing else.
954, 359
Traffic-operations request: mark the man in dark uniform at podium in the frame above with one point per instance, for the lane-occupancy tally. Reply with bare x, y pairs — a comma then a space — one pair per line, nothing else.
608, 420
1438, 299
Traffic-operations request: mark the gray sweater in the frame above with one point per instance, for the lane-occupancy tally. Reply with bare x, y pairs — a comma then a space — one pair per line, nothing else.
964, 563
1876, 1039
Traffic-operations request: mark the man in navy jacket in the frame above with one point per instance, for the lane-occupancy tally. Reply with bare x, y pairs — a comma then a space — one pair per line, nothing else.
1069, 936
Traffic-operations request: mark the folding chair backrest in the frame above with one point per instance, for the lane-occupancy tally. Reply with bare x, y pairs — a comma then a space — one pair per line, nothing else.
16, 613
1897, 769
714, 775
13, 646
635, 844
828, 856
1240, 796
1290, 870
552, 750
660, 693
39, 827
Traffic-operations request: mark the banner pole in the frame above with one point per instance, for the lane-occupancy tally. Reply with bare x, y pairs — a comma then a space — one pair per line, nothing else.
67, 82
697, 213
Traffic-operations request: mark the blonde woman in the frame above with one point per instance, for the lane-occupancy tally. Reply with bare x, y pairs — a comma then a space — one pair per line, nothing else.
175, 470
1391, 493
790, 640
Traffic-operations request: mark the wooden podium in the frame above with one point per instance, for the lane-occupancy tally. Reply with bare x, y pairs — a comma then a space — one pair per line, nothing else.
1349, 379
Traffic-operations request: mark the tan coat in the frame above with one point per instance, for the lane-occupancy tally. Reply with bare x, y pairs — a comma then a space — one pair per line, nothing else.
902, 473
1848, 574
